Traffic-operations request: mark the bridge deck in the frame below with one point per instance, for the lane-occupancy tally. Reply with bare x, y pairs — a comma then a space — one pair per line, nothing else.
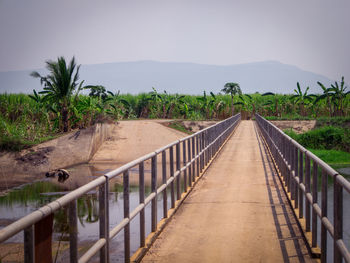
237, 212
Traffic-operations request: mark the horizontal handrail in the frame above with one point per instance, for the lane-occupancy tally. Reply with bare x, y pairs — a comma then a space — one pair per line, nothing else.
294, 166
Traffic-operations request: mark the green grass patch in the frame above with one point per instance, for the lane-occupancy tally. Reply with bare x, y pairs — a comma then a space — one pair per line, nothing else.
332, 157
178, 125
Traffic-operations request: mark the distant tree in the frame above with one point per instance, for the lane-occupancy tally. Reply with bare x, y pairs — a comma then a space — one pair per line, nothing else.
60, 84
232, 89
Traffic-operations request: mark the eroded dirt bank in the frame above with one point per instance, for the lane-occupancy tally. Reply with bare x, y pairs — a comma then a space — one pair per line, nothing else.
297, 126
104, 147
76, 147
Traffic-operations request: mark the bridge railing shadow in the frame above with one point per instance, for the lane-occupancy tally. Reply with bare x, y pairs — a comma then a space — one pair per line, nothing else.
300, 171
290, 238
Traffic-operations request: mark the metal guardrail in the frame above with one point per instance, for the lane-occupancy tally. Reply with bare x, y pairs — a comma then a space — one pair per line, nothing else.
197, 150
294, 164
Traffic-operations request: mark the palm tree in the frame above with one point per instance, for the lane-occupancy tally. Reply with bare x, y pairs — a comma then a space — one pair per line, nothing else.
60, 84
232, 89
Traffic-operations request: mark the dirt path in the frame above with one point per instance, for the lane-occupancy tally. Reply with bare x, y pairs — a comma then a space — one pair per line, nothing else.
237, 212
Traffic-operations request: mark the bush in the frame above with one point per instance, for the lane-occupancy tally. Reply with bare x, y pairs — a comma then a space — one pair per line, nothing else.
324, 138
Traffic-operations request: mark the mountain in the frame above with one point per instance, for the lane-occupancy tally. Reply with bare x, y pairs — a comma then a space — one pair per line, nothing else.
185, 78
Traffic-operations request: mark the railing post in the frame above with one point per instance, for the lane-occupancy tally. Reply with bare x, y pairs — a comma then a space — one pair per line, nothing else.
29, 252
142, 201
296, 185
184, 164
154, 190
307, 191
206, 143
287, 166
324, 214
126, 199
202, 150
172, 185
292, 166
73, 232
338, 218
314, 201
189, 160
178, 187
104, 220
197, 152
165, 197
301, 180
193, 163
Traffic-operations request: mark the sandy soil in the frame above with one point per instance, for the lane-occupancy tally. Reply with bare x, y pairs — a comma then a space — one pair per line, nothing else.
297, 126
133, 139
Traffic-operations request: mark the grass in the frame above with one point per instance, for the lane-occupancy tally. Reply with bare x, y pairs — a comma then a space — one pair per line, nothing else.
332, 157
178, 125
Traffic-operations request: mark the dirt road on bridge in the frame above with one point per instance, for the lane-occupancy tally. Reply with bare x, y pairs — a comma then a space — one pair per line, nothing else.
236, 213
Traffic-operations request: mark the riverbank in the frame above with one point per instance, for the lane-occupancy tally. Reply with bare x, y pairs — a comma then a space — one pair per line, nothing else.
71, 149
101, 147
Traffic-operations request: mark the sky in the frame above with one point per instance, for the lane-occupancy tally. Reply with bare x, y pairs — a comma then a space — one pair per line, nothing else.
313, 34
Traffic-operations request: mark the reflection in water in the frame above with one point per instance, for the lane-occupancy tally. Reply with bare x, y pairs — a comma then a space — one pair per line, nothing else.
88, 209
27, 198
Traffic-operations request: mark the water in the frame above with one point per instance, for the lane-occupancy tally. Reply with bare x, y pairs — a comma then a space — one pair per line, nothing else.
346, 211
27, 198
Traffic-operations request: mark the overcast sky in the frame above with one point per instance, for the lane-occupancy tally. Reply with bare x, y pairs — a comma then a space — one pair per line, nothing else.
311, 34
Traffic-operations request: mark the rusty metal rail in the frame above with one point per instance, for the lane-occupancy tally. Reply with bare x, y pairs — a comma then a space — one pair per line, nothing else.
197, 151
294, 163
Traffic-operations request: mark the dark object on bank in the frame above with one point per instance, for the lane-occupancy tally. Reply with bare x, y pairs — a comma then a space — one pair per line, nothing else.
62, 174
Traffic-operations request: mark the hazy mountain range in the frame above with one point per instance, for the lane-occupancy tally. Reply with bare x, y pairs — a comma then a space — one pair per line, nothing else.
186, 78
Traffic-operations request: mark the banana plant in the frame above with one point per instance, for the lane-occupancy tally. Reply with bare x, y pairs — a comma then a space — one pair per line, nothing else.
119, 106
302, 98
272, 102
207, 104
339, 94
246, 102
327, 94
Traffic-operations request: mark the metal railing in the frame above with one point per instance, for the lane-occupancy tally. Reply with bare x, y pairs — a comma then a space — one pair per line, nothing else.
301, 183
197, 150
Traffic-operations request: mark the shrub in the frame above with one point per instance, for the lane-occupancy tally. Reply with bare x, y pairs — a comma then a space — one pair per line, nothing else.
324, 138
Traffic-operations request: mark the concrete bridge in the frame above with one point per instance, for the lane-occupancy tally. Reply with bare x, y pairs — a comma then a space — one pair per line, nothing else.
239, 191
237, 212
